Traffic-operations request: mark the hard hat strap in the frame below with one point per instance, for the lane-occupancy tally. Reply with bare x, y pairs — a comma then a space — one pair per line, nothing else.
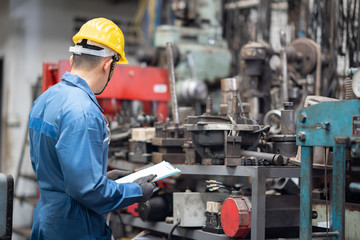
112, 67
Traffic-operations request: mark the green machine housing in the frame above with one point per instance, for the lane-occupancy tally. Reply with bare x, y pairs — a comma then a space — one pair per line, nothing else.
202, 56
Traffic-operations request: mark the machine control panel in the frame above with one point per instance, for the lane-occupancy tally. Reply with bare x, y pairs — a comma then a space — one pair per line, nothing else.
356, 125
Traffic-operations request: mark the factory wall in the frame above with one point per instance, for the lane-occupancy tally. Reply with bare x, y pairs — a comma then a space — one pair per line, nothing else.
33, 32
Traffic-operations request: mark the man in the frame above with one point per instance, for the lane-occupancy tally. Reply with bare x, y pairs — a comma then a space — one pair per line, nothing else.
69, 143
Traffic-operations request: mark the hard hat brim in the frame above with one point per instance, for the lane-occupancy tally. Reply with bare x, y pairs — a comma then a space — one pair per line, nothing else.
122, 60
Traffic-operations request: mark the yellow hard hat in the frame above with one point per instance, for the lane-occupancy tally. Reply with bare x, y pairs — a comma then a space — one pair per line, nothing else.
105, 32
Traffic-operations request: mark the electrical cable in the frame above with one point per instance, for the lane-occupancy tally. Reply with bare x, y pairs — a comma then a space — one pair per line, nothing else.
215, 185
219, 187
121, 223
172, 230
219, 183
326, 194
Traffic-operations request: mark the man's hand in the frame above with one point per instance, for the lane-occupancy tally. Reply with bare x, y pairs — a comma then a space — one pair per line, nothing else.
147, 186
116, 174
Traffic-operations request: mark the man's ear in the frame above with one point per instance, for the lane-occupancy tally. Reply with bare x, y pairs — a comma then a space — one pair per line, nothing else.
71, 60
107, 64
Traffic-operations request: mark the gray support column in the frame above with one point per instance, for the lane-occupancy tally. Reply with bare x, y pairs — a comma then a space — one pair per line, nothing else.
258, 204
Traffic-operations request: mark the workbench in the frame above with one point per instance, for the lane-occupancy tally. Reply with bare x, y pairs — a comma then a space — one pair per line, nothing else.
258, 175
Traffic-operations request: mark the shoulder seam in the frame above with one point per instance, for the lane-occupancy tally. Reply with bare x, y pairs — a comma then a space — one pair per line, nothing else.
79, 118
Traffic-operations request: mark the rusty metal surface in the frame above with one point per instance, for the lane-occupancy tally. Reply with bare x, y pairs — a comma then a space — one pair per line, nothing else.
140, 157
307, 53
352, 218
169, 142
173, 158
325, 122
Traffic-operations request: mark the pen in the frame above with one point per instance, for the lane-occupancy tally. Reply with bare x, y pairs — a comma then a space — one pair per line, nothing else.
155, 176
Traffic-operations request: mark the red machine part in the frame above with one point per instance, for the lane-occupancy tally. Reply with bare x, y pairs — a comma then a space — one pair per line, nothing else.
133, 209
236, 217
147, 84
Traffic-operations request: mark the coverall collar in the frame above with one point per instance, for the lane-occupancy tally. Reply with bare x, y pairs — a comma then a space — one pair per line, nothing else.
81, 83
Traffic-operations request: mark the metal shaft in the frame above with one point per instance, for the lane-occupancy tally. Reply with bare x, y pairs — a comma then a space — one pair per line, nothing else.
209, 105
324, 234
229, 104
284, 85
170, 63
288, 121
275, 159
191, 65
237, 92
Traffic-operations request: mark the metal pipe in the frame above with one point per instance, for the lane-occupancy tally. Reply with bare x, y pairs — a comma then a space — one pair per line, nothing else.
284, 85
237, 92
191, 64
170, 63
326, 234
229, 104
254, 108
287, 120
235, 105
318, 71
275, 159
209, 105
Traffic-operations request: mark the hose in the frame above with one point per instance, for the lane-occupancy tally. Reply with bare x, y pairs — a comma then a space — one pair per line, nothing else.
172, 230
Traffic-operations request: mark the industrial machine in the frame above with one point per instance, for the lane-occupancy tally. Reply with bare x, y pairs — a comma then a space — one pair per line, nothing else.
284, 142
236, 216
280, 212
251, 131
265, 85
171, 135
149, 85
333, 125
170, 139
201, 55
229, 138
189, 207
141, 147
159, 206
136, 96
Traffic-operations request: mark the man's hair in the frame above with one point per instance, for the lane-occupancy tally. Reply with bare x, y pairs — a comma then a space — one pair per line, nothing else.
86, 61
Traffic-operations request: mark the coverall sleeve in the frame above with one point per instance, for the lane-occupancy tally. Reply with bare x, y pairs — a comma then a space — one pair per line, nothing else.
80, 150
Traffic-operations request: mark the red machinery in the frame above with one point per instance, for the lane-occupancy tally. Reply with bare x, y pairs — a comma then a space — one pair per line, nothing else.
146, 84
236, 216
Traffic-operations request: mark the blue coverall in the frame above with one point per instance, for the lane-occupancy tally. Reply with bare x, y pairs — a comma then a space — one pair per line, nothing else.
68, 148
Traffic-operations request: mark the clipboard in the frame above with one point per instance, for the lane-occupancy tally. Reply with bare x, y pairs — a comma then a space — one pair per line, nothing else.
161, 170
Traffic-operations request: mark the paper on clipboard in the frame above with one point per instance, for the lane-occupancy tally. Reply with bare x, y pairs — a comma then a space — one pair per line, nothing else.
162, 170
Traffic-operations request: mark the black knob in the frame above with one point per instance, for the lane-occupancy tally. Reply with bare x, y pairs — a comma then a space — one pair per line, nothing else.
314, 215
